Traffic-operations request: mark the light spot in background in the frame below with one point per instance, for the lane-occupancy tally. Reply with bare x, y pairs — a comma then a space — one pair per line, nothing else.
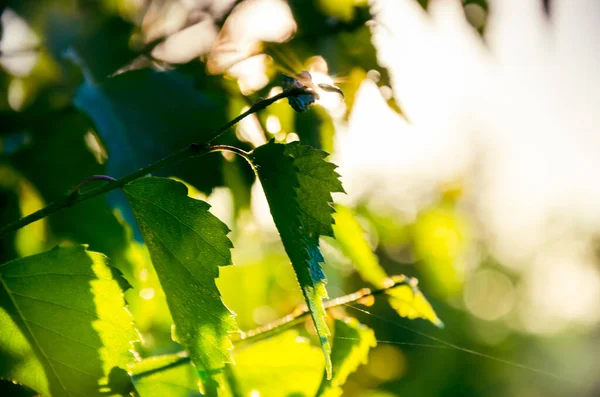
386, 363
16, 94
301, 339
292, 137
254, 393
280, 136
250, 23
249, 130
147, 293
386, 92
228, 156
96, 147
275, 90
374, 75
264, 314
18, 44
489, 294
260, 209
560, 288
251, 74
163, 19
187, 44
221, 203
490, 115
331, 101
31, 239
143, 276
273, 124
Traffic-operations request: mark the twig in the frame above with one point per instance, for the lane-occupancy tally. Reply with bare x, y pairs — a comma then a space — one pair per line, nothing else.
298, 315
92, 178
193, 150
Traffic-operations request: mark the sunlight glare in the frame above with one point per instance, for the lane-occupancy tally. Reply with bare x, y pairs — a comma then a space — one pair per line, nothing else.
273, 124
488, 113
251, 23
19, 44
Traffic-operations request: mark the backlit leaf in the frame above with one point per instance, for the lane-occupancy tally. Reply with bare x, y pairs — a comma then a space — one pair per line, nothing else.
170, 375
284, 365
351, 345
407, 300
298, 183
64, 326
187, 245
350, 238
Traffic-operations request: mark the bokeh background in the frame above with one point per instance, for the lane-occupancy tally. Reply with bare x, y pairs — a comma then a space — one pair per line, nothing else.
468, 143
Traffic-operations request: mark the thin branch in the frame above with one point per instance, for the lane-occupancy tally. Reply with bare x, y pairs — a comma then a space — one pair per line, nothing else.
232, 149
193, 150
297, 316
92, 178
301, 312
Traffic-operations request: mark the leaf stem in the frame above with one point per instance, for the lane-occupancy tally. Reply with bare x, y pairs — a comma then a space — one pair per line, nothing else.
193, 150
232, 149
92, 178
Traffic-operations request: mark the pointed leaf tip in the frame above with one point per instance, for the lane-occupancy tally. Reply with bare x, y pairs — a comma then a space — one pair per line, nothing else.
187, 246
298, 183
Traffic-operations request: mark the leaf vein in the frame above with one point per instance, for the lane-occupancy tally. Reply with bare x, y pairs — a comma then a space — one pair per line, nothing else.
70, 308
182, 223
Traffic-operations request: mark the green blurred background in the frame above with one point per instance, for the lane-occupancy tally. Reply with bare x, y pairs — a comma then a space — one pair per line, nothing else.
467, 143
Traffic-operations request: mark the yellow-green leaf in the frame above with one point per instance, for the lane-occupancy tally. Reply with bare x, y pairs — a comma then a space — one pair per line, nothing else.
171, 375
64, 330
407, 299
284, 365
350, 238
352, 342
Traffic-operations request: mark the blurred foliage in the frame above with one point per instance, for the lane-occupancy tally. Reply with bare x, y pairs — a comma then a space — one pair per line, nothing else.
65, 118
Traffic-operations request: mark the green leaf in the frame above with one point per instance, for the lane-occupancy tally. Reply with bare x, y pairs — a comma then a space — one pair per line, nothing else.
298, 183
351, 345
170, 375
350, 238
65, 329
187, 245
407, 300
284, 365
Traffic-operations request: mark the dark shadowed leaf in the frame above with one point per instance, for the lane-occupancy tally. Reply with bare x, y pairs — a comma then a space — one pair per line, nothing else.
298, 183
65, 330
59, 156
144, 115
187, 245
